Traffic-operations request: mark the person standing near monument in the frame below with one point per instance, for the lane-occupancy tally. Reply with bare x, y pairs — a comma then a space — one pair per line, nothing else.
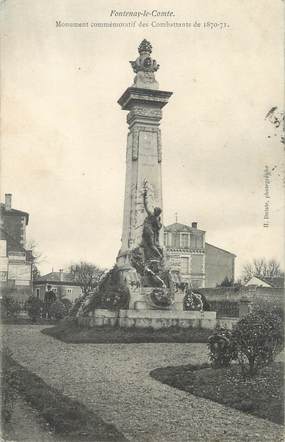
49, 299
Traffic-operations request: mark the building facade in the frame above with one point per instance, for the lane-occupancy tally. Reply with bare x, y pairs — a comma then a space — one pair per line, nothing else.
219, 264
185, 249
199, 263
15, 260
61, 283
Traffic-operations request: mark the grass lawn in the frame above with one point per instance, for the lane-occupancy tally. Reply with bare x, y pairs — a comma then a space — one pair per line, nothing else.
262, 396
70, 332
66, 417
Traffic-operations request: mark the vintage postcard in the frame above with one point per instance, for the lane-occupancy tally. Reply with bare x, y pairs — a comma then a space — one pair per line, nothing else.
142, 220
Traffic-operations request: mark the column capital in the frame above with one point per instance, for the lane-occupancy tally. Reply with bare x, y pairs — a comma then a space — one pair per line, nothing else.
144, 115
134, 96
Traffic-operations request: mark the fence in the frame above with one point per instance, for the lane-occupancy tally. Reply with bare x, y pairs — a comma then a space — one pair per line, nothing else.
225, 308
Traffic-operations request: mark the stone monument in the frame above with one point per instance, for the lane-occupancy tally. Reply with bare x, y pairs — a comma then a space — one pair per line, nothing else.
156, 294
144, 102
141, 257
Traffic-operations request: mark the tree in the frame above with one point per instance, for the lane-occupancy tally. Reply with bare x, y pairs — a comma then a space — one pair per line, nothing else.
227, 282
262, 268
37, 258
87, 275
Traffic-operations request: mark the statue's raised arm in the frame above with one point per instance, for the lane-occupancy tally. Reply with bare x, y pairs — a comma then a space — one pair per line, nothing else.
147, 209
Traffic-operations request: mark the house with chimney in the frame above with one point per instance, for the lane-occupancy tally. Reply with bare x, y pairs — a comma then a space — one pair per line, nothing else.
15, 260
201, 264
61, 283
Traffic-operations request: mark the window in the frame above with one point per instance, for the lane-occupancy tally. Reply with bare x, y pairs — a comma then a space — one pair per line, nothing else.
38, 292
184, 264
3, 276
196, 241
167, 239
176, 239
69, 291
184, 240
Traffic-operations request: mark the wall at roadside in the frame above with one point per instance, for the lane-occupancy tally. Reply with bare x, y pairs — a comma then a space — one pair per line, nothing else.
226, 300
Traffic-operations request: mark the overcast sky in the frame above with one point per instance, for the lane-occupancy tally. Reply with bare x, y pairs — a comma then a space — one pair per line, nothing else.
64, 135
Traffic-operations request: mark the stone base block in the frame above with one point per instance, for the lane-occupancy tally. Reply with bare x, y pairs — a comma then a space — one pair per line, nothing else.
105, 317
140, 305
166, 318
156, 319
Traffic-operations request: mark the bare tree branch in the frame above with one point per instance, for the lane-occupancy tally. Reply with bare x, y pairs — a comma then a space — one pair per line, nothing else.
262, 268
87, 275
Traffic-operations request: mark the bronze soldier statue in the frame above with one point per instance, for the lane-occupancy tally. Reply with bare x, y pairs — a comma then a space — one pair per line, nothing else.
151, 229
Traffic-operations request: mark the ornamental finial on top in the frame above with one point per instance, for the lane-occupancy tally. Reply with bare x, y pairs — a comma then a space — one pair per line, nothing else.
144, 62
145, 46
145, 66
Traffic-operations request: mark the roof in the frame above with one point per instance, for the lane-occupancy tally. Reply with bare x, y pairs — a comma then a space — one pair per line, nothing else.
178, 227
274, 281
223, 250
14, 212
57, 277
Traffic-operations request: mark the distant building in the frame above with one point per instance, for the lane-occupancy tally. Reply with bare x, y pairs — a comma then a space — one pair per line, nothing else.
200, 263
272, 282
15, 260
61, 283
220, 264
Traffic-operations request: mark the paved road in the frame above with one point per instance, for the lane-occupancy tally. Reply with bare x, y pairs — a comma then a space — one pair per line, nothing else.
113, 380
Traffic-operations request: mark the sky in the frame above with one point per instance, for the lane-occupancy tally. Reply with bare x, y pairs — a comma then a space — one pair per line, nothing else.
63, 135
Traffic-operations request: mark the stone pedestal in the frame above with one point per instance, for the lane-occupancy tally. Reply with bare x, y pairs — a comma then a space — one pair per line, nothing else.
155, 319
143, 163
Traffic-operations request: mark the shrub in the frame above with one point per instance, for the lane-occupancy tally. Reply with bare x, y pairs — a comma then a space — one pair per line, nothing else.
270, 305
258, 337
222, 348
67, 303
58, 310
10, 307
93, 301
115, 298
34, 307
78, 302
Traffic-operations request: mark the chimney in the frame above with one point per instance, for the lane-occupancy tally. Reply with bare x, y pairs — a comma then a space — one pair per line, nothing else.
8, 201
194, 225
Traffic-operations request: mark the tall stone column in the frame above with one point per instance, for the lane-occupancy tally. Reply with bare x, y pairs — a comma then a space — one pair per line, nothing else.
143, 186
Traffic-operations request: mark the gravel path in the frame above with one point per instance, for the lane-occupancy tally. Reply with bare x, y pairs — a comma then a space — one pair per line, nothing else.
113, 380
